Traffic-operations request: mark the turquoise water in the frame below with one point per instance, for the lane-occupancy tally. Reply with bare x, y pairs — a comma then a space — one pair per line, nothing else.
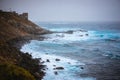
86, 44
105, 35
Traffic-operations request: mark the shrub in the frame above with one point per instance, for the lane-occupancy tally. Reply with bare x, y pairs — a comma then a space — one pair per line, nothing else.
13, 72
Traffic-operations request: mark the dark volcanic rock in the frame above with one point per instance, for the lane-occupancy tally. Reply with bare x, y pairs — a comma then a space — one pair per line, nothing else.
47, 60
56, 73
69, 32
59, 68
87, 34
57, 59
82, 67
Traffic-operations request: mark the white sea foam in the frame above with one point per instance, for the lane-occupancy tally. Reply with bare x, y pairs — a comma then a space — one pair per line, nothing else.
70, 66
79, 36
68, 73
75, 36
54, 43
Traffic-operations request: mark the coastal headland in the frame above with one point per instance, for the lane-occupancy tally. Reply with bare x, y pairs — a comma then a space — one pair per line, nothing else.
16, 30
14, 64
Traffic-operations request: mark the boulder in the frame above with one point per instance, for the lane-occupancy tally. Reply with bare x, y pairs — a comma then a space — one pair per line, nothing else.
69, 32
47, 60
57, 59
59, 68
86, 34
82, 67
56, 73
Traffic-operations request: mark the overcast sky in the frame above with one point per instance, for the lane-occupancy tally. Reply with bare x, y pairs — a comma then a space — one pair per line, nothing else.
66, 10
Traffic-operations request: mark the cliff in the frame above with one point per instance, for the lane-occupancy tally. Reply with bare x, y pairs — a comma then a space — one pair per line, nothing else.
15, 65
13, 25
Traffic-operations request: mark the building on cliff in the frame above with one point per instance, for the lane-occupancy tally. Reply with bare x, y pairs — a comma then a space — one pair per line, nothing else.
24, 16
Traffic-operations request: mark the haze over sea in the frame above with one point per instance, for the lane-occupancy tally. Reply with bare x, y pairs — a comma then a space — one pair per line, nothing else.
77, 45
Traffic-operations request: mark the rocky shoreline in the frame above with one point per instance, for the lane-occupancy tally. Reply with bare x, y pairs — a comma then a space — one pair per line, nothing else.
20, 41
98, 67
15, 31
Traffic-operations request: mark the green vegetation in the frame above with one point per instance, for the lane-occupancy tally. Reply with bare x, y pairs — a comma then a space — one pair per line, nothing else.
13, 72
15, 58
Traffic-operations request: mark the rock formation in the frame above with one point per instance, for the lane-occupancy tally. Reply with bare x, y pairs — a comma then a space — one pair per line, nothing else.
13, 27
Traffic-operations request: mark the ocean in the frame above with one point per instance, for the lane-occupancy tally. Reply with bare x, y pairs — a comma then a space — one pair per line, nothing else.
74, 47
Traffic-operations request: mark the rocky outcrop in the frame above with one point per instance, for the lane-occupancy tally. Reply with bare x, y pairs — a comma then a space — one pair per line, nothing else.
58, 68
16, 28
12, 25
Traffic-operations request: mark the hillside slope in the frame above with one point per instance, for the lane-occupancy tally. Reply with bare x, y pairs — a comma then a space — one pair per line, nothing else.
21, 65
13, 25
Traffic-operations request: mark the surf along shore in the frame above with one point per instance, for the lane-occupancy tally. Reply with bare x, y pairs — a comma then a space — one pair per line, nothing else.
16, 30
90, 65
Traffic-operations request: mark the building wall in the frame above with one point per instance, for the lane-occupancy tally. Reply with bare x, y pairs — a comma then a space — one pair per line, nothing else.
24, 16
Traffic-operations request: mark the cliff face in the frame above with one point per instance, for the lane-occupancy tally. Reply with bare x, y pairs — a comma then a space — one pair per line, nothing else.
14, 25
